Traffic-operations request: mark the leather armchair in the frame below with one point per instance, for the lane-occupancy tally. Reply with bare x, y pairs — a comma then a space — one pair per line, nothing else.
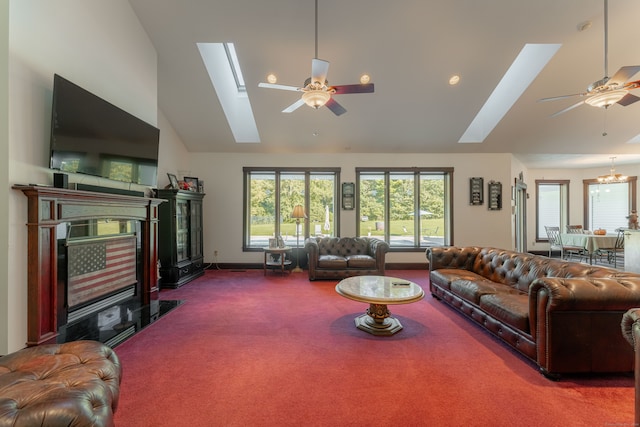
72, 384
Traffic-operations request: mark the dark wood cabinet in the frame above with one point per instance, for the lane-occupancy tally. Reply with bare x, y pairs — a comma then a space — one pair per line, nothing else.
180, 246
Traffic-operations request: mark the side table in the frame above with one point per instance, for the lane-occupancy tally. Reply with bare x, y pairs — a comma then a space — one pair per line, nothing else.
277, 257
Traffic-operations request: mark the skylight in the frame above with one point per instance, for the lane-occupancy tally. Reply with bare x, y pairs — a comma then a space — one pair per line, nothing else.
232, 57
526, 67
223, 67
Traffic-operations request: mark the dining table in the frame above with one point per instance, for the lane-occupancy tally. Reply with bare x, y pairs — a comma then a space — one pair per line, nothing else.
590, 242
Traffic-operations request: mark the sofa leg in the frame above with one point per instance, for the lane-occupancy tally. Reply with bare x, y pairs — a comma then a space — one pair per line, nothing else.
549, 376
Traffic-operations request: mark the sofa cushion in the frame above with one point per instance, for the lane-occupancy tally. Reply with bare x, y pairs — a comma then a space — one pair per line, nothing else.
511, 308
361, 261
332, 261
445, 276
472, 290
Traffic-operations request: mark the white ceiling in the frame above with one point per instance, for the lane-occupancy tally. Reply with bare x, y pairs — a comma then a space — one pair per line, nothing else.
410, 48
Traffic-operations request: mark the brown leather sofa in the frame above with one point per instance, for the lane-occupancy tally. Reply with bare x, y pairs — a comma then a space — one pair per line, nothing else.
631, 331
340, 257
72, 384
564, 316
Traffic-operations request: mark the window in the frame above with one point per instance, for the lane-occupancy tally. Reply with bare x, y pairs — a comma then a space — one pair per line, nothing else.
552, 203
409, 208
272, 193
608, 205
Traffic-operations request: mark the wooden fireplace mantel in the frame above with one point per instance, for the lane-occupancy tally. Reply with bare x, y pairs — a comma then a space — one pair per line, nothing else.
47, 208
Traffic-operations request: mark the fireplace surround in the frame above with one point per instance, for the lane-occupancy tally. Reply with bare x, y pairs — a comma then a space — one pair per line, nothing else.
116, 238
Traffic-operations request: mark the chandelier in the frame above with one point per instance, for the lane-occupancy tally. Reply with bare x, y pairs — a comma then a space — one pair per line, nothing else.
613, 177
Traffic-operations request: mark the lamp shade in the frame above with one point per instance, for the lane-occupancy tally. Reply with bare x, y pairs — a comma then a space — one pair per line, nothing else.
298, 212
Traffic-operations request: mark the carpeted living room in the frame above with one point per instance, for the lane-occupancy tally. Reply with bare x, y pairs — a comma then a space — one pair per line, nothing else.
171, 276
248, 349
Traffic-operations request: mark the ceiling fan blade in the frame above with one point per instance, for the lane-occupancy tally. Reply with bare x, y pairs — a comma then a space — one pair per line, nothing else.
632, 85
337, 109
361, 88
293, 107
571, 107
628, 99
555, 98
622, 75
281, 87
319, 70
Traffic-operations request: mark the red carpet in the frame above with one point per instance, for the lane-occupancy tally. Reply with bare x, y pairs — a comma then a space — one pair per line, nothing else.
246, 349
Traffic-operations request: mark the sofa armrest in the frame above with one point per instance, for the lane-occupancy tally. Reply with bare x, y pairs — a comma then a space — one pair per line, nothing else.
377, 249
549, 294
630, 326
313, 252
584, 293
452, 257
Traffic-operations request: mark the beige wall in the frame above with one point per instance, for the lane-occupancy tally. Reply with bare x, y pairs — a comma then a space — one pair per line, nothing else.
97, 44
473, 225
5, 289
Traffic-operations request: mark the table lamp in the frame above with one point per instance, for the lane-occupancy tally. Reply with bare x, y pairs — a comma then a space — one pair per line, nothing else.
298, 212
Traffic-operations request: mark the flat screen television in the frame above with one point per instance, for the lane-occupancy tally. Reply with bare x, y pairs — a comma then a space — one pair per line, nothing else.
94, 137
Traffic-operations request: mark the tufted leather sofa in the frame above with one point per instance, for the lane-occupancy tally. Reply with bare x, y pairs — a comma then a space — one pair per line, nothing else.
564, 316
72, 384
340, 257
631, 331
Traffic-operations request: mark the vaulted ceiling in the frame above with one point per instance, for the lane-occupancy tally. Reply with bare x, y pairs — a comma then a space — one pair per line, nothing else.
410, 48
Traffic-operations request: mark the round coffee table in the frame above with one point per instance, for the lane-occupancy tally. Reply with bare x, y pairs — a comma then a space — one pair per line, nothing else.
378, 292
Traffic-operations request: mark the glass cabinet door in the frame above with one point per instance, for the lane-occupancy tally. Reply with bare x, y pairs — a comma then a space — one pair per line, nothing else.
182, 230
196, 229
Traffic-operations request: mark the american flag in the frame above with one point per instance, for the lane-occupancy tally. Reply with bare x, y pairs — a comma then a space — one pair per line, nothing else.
98, 268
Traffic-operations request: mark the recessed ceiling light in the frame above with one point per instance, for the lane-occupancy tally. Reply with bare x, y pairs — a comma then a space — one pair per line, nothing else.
271, 78
584, 26
364, 79
315, 133
454, 80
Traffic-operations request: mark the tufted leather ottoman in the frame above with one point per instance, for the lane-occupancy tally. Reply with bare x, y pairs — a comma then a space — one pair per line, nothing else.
71, 384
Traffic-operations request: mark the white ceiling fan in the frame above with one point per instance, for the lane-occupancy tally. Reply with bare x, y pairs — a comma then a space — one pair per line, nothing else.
608, 90
316, 91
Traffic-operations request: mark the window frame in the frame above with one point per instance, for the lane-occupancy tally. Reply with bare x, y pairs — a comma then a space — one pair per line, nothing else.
448, 174
564, 204
632, 194
278, 172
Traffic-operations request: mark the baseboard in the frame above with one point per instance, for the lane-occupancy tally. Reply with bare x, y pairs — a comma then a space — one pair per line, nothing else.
253, 266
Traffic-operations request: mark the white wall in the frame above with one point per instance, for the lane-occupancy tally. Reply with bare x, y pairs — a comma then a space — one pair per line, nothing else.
4, 175
473, 225
101, 46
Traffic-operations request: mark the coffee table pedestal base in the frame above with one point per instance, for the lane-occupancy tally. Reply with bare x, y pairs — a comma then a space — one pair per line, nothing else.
378, 321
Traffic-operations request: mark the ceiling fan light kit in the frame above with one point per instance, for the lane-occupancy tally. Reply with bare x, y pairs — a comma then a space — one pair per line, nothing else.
605, 99
315, 92
315, 98
608, 90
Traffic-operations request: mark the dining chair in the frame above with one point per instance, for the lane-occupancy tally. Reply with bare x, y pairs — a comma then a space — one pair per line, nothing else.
555, 242
617, 251
577, 229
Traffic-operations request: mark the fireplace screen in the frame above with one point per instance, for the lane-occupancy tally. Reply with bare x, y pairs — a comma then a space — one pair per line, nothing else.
97, 267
